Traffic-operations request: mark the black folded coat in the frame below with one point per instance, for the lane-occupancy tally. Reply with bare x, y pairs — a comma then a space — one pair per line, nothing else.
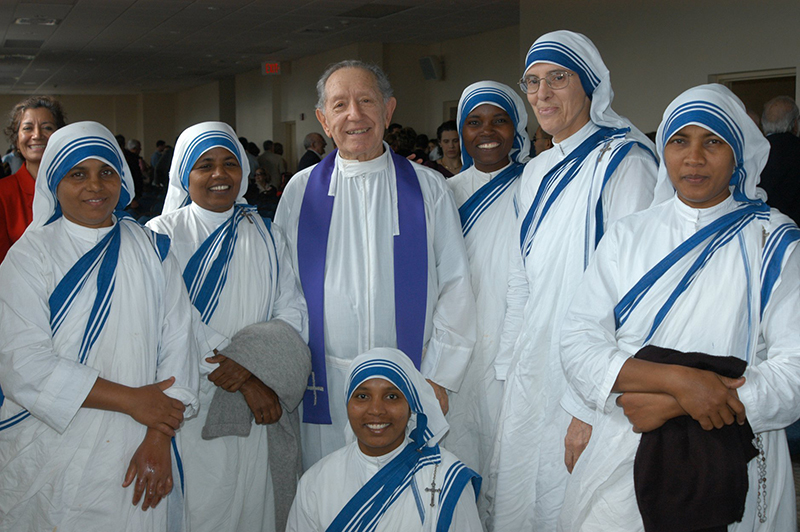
686, 478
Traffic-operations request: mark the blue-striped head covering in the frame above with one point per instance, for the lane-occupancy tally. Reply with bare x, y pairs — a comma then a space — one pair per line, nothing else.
507, 99
577, 53
67, 147
715, 108
191, 145
394, 366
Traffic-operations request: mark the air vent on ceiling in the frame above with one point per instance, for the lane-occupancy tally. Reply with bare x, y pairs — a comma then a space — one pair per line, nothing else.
23, 43
374, 11
37, 21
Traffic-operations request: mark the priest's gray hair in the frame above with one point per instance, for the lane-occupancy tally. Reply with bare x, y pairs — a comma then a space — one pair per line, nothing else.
780, 116
381, 80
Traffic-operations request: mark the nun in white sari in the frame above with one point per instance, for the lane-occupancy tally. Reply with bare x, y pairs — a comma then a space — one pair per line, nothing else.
238, 272
403, 483
92, 313
491, 125
568, 197
702, 270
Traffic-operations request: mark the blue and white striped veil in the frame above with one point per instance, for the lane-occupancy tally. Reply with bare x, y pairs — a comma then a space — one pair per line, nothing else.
194, 142
394, 366
578, 53
507, 99
715, 108
66, 148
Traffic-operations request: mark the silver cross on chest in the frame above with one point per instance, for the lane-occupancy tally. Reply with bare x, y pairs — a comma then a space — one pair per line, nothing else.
433, 490
313, 387
606, 148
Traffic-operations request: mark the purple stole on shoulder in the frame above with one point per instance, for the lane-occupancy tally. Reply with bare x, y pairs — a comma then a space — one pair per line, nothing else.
410, 272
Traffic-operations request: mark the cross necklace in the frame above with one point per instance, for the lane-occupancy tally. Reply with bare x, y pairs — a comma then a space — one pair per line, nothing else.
433, 490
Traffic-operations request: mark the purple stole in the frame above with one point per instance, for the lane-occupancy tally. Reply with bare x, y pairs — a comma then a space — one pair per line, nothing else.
410, 272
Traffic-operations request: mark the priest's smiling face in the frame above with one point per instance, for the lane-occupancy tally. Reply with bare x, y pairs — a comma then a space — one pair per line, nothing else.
215, 179
700, 165
355, 115
89, 193
560, 112
488, 134
378, 414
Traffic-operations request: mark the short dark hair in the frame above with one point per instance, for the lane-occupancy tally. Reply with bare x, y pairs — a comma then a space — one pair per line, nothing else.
160, 143
34, 102
406, 140
450, 125
268, 144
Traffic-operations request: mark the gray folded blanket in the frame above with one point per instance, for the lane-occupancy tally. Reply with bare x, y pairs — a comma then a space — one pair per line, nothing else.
278, 357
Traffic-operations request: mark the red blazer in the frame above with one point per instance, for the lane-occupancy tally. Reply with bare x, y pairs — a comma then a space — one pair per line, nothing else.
16, 207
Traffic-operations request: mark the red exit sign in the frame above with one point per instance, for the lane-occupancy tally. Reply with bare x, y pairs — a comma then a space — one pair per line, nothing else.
271, 68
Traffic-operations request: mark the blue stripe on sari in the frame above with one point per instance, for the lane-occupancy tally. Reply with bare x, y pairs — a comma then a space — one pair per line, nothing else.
363, 511
617, 156
483, 198
455, 481
772, 258
556, 181
718, 233
206, 273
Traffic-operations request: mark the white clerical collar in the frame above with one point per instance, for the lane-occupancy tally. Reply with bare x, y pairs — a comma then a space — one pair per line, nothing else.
355, 168
377, 462
491, 175
573, 141
89, 234
703, 217
212, 217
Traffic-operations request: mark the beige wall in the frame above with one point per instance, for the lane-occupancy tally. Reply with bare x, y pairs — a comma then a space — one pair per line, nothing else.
656, 50
254, 95
195, 105
158, 121
119, 113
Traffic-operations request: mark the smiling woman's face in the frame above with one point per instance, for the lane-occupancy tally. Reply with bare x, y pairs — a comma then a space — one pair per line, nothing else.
378, 414
89, 193
35, 128
488, 134
215, 179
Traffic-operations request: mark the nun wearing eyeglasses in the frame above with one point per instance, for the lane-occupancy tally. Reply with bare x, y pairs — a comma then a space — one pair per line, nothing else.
690, 310
392, 475
98, 363
238, 273
600, 169
494, 149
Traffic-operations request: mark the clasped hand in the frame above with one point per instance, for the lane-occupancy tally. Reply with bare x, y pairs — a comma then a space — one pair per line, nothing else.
709, 398
229, 376
151, 407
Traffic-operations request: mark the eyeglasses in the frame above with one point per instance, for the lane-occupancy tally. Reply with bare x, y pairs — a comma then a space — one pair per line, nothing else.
555, 80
